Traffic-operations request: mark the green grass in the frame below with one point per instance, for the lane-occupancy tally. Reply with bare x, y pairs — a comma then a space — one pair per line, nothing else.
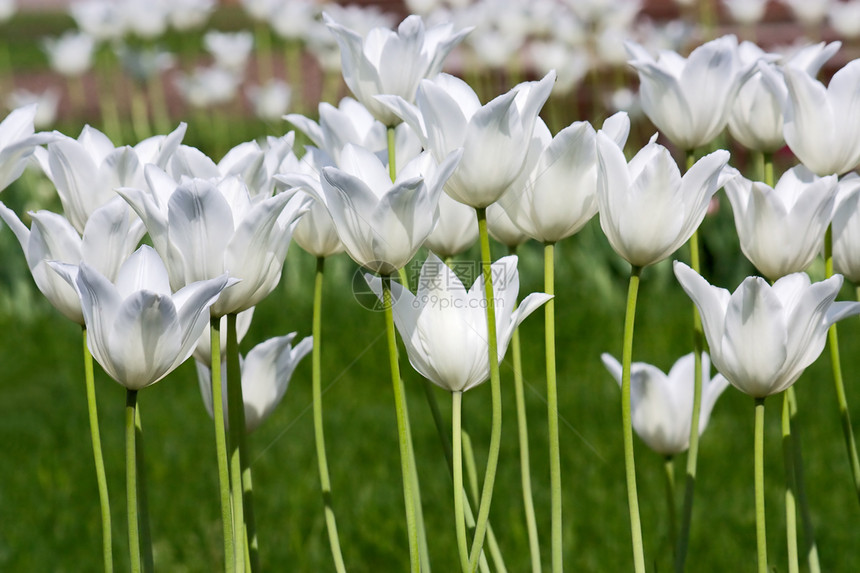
49, 503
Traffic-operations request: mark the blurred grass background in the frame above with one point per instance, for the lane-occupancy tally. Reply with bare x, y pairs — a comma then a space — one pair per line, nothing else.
49, 516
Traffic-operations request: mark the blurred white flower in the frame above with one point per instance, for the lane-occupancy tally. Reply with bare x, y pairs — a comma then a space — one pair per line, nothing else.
809, 12
207, 87
291, 20
270, 101
266, 371
230, 50
71, 54
146, 20
7, 9
47, 102
846, 228
746, 12
101, 19
185, 15
260, 10
144, 63
844, 17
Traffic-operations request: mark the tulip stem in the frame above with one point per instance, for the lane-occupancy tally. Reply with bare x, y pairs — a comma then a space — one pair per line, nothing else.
221, 445
552, 408
111, 124
459, 493
403, 439
693, 451
761, 538
810, 547
237, 442
131, 479
472, 477
790, 486
496, 395
669, 467
833, 342
627, 423
98, 458
142, 498
319, 431
525, 465
392, 153
265, 63
469, 460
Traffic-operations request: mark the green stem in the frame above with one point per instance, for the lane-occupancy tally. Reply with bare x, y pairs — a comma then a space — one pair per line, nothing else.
767, 168
472, 477
790, 486
496, 395
265, 62
810, 547
525, 464
319, 431
627, 424
761, 538
221, 446
459, 493
252, 547
143, 498
403, 440
423, 551
236, 442
111, 124
139, 113
293, 70
471, 473
77, 96
98, 458
131, 479
693, 451
669, 467
392, 153
552, 409
833, 342
160, 111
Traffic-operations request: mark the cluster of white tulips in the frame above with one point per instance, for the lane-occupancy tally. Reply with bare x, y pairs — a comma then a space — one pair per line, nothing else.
416, 160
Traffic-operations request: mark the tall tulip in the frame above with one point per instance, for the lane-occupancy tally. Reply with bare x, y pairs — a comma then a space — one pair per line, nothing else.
689, 99
448, 115
647, 209
18, 142
662, 402
781, 229
389, 62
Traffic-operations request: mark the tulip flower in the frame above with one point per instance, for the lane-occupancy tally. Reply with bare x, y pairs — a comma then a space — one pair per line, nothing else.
844, 18
762, 337
253, 163
382, 225
18, 142
781, 229
746, 12
266, 372
47, 101
819, 121
70, 54
139, 331
187, 15
689, 100
448, 115
316, 232
442, 323
87, 170
388, 62
756, 118
207, 87
351, 122
271, 100
229, 50
556, 195
502, 229
647, 210
206, 228
101, 19
662, 404
456, 229
110, 236
810, 13
846, 229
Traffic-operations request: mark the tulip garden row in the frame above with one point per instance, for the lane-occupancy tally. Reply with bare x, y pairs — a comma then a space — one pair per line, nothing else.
330, 476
